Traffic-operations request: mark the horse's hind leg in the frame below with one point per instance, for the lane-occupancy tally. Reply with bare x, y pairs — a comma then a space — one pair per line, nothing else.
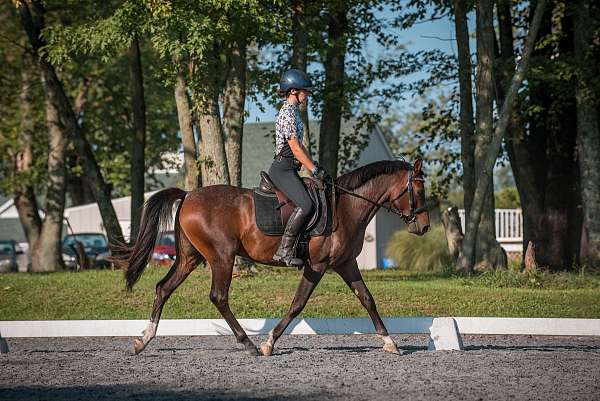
310, 278
222, 267
186, 261
351, 275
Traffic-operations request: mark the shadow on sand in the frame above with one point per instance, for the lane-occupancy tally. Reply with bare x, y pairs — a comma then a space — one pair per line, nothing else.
131, 392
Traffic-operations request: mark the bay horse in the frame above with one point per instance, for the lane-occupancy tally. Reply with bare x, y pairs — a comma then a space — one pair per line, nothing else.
215, 223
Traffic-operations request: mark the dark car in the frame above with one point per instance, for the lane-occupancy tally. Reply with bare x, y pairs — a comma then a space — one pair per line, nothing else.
164, 250
8, 256
85, 250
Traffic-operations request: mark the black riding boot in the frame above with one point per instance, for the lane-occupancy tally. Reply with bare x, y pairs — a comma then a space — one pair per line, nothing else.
286, 251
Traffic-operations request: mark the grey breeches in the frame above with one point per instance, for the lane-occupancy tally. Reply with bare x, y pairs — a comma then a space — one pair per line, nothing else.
284, 176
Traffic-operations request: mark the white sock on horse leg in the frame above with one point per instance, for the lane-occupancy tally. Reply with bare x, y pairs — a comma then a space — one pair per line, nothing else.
149, 332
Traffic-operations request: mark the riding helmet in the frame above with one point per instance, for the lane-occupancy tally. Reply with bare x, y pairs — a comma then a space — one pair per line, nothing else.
294, 79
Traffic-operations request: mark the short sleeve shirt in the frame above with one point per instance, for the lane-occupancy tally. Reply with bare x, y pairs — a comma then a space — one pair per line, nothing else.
288, 125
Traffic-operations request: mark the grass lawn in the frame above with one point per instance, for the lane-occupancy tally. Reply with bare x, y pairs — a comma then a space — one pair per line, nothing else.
101, 295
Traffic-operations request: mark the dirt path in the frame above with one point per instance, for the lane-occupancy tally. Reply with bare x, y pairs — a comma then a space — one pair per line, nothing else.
303, 367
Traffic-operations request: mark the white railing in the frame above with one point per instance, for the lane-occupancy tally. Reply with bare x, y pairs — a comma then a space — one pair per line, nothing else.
509, 228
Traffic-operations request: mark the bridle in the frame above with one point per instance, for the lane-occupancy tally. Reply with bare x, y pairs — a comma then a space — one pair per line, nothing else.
414, 211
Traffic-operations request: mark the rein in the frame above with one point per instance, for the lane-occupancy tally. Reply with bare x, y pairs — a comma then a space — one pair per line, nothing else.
391, 209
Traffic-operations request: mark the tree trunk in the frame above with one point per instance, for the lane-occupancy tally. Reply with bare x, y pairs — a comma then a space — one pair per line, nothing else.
138, 144
56, 95
78, 191
213, 158
234, 99
454, 234
473, 219
467, 127
299, 59
329, 131
588, 134
46, 253
486, 244
24, 197
184, 114
516, 140
550, 143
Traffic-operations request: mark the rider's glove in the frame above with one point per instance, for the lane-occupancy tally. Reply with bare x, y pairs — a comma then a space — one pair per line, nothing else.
320, 174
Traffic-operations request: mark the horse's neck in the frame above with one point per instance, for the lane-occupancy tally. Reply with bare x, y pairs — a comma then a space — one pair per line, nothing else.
358, 212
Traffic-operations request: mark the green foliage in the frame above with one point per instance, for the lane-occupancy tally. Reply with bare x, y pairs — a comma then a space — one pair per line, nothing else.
414, 253
508, 198
433, 136
91, 50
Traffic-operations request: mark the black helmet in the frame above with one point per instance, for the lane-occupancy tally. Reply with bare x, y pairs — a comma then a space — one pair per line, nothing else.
294, 79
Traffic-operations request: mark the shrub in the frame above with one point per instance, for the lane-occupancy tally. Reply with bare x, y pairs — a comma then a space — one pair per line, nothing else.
508, 198
426, 253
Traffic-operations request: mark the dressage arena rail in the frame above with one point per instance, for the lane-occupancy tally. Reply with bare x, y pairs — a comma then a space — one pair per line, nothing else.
207, 327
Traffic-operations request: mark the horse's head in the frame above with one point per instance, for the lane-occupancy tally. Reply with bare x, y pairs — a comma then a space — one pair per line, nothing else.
409, 198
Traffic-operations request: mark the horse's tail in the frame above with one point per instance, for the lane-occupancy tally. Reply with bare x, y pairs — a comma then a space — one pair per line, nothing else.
156, 216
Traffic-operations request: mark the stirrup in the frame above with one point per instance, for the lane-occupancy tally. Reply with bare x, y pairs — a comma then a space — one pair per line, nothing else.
289, 260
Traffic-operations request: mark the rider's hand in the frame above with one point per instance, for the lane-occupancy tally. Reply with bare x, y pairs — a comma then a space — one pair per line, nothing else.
320, 174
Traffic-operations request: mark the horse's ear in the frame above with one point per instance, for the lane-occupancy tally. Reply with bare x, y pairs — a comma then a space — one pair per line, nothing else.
418, 165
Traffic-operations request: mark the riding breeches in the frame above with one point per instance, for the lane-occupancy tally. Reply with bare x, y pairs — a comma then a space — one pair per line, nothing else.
286, 178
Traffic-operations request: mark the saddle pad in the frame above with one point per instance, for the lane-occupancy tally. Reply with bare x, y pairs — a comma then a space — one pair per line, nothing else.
268, 217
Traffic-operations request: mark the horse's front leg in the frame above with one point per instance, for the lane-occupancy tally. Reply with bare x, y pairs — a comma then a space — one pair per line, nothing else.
310, 278
351, 275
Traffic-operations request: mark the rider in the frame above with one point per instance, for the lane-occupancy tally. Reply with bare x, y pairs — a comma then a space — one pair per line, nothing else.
290, 156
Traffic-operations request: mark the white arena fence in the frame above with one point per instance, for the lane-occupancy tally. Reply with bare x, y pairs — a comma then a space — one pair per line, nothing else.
509, 228
210, 327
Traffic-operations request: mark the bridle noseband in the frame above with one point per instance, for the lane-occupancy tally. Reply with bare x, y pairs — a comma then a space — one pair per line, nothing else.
414, 211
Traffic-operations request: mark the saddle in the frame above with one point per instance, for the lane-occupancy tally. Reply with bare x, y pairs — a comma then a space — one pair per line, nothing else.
273, 208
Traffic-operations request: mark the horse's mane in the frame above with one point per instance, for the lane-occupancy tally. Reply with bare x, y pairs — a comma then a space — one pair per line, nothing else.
361, 175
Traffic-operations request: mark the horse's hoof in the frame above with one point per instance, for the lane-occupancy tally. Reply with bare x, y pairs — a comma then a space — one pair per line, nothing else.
266, 349
252, 351
392, 349
138, 346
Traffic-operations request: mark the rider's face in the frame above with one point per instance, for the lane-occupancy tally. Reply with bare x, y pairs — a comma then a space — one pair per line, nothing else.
303, 95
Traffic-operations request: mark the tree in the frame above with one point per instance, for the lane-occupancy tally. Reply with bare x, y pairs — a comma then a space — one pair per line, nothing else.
588, 131
334, 86
62, 112
24, 196
299, 59
467, 128
540, 141
234, 99
473, 219
486, 244
138, 107
186, 127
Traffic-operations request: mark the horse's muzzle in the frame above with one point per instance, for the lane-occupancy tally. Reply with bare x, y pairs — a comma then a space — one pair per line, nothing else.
415, 228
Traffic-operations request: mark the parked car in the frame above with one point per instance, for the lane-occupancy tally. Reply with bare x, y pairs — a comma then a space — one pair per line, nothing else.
164, 250
85, 250
9, 249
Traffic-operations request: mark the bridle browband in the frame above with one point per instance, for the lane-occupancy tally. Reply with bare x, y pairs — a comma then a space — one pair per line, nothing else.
414, 211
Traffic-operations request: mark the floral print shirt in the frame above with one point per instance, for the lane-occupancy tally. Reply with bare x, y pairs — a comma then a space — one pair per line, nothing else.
288, 125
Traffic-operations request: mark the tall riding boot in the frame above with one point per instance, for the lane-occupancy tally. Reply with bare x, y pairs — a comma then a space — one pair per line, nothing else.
286, 251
